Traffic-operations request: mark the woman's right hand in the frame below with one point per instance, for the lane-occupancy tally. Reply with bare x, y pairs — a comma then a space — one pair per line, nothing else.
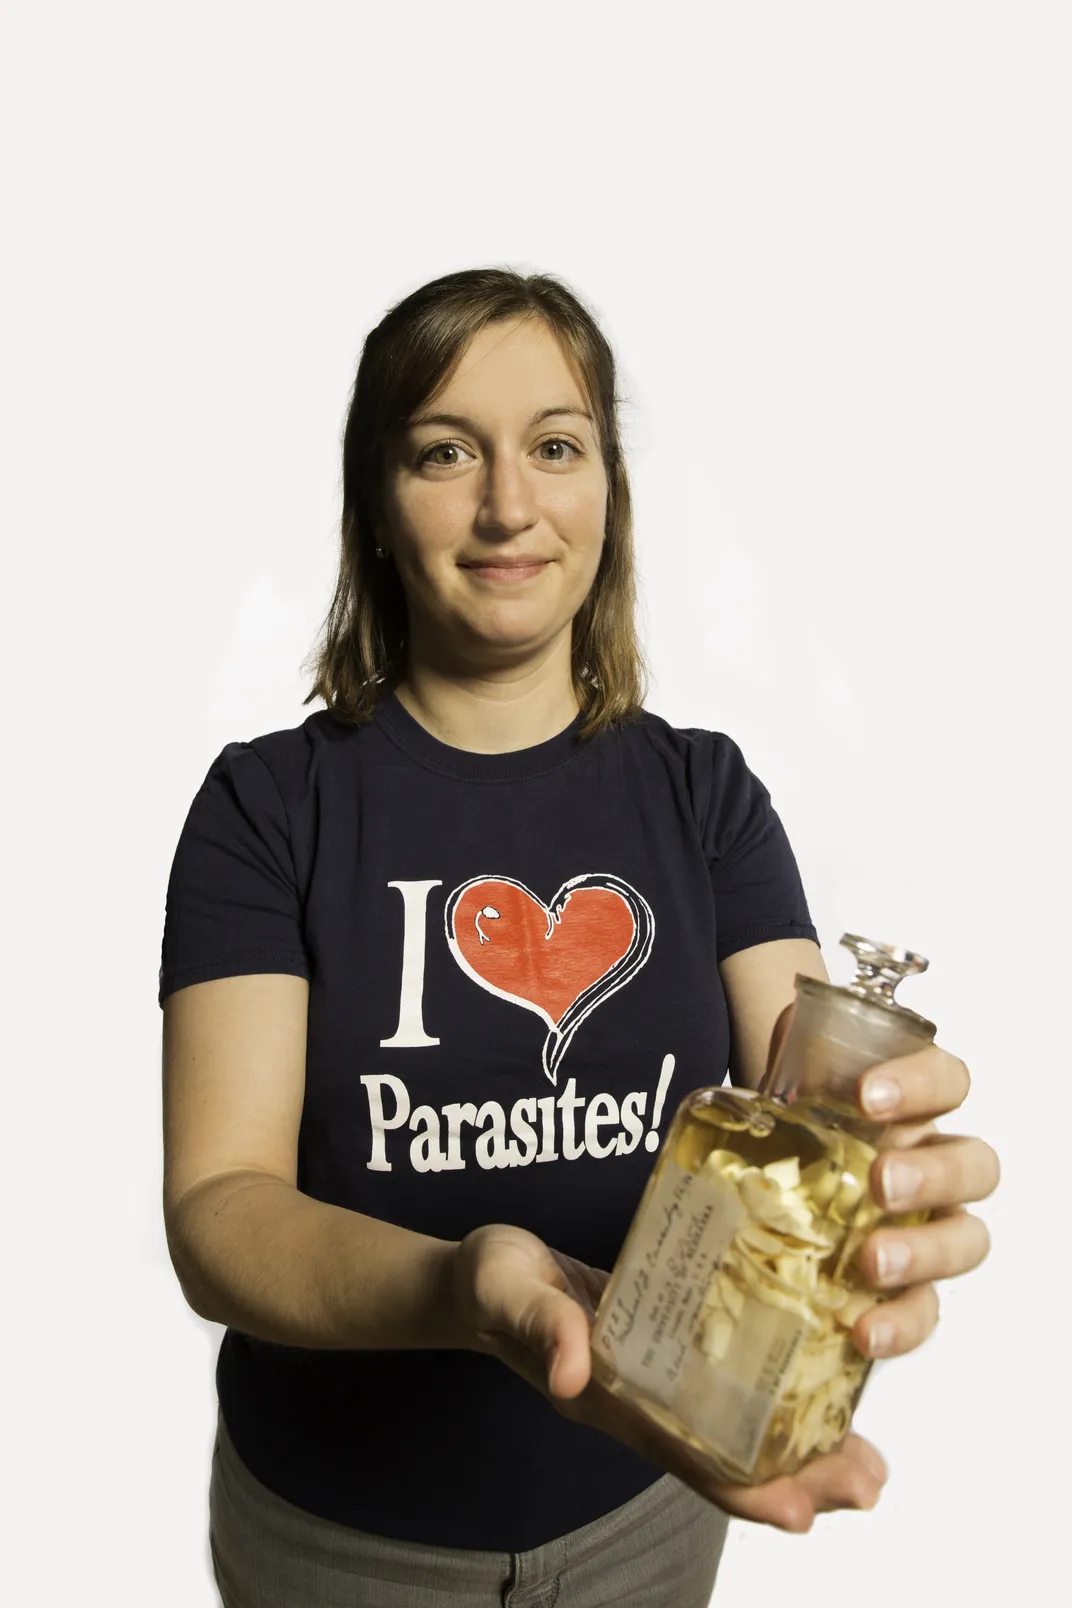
533, 1308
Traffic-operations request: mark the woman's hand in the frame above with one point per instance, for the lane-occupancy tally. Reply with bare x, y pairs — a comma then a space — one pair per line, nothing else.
917, 1168
533, 1308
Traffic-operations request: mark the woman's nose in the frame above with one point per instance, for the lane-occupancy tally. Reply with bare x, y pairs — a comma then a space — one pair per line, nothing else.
508, 502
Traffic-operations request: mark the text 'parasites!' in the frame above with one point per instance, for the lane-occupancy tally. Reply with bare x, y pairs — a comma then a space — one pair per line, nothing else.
536, 1128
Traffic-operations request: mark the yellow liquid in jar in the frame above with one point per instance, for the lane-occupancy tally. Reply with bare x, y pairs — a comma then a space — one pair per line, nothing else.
773, 1261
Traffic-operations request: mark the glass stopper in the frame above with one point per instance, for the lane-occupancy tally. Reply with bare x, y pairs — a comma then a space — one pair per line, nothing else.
880, 967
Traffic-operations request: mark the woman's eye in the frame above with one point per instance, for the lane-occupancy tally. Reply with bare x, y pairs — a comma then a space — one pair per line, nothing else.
560, 441
456, 446
440, 446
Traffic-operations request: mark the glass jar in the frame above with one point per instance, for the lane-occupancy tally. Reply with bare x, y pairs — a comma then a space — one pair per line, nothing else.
728, 1317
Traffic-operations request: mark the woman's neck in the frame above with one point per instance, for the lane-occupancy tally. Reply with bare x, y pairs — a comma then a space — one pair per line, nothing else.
489, 716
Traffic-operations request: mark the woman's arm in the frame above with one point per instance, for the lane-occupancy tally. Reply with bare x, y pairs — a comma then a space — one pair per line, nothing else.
254, 1253
250, 1250
759, 987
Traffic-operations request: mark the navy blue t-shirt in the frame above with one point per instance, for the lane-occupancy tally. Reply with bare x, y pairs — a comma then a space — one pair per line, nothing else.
513, 969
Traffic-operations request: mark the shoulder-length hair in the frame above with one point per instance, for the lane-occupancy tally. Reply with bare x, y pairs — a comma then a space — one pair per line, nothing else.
362, 652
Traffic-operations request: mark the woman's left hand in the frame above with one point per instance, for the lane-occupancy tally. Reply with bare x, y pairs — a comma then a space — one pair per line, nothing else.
919, 1168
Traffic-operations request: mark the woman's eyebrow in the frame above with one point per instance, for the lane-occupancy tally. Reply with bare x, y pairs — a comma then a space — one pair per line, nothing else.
460, 421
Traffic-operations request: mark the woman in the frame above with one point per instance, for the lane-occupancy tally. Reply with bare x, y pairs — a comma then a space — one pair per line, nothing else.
437, 965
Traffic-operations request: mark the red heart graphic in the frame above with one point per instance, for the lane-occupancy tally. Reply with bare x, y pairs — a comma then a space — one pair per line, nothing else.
515, 946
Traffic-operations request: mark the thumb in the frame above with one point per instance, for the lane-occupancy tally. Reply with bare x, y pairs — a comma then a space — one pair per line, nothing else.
778, 1033
555, 1327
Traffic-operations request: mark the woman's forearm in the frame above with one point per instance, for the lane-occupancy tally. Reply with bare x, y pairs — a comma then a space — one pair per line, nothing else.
255, 1254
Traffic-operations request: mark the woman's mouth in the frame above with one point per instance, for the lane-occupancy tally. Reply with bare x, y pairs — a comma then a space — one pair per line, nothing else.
516, 572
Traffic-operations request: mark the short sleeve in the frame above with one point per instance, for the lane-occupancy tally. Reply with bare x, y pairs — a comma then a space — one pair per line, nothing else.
233, 906
758, 891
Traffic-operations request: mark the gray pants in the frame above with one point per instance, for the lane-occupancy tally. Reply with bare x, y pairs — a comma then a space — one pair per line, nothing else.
660, 1550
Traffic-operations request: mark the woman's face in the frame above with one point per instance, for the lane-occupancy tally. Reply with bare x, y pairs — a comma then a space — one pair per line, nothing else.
495, 486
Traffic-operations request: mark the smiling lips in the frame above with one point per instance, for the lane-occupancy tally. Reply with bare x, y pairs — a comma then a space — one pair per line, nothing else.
508, 569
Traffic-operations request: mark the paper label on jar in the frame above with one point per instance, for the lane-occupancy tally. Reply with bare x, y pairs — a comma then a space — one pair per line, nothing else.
730, 1403
647, 1329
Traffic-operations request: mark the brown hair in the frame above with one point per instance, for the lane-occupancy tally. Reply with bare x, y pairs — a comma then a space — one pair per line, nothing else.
363, 647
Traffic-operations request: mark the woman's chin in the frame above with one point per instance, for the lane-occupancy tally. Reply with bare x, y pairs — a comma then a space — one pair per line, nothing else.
515, 630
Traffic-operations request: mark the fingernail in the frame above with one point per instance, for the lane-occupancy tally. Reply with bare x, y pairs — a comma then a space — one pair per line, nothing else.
880, 1094
891, 1258
900, 1180
880, 1339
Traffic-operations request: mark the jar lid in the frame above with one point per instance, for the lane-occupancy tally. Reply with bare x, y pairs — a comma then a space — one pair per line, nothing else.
879, 969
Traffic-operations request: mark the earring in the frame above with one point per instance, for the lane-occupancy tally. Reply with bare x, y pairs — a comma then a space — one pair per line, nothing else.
380, 553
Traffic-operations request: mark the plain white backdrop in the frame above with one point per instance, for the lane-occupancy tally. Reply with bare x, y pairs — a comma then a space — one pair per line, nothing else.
830, 246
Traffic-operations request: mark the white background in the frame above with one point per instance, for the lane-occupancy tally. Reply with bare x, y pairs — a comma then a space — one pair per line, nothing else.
829, 244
